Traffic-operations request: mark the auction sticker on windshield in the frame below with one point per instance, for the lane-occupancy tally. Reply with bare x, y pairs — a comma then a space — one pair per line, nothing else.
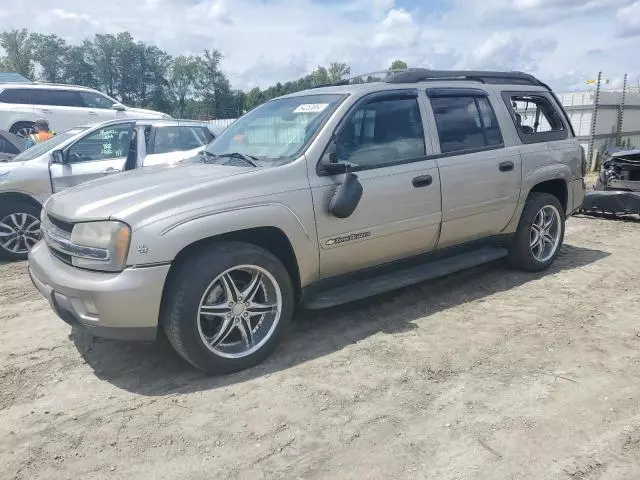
311, 108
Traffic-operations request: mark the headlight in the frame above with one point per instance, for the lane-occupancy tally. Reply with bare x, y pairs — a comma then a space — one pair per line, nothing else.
101, 245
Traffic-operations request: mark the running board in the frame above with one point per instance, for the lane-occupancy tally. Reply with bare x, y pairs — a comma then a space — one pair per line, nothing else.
402, 278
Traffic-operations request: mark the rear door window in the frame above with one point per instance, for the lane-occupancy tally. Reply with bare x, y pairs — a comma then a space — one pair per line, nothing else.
192, 137
166, 139
58, 98
465, 123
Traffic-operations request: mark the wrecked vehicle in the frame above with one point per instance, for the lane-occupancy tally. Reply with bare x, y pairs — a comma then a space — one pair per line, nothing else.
617, 190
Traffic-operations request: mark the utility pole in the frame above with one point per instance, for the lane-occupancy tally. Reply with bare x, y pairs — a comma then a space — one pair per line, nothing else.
592, 133
621, 112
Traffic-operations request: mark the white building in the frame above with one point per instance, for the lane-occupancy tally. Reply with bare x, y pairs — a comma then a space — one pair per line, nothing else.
609, 112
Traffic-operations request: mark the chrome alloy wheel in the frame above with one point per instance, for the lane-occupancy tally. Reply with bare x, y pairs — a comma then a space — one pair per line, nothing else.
239, 311
19, 232
545, 233
24, 132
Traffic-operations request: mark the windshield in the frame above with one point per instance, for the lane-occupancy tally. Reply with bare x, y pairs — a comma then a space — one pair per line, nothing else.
44, 147
275, 132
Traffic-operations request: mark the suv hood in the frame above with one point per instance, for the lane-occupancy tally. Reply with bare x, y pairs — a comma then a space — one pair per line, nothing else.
151, 192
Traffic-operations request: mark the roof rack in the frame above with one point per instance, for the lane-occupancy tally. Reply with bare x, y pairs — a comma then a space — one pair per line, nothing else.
415, 75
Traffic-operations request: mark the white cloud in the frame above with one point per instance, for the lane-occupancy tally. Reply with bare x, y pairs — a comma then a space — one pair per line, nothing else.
629, 20
263, 42
397, 30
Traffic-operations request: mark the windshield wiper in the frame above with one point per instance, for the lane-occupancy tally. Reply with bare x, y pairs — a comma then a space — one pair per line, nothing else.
250, 159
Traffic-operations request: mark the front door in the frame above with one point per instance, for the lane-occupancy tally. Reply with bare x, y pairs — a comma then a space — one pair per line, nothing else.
101, 152
383, 140
480, 176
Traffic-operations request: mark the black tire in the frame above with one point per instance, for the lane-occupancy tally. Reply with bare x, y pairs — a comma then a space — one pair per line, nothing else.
8, 208
520, 252
16, 128
179, 316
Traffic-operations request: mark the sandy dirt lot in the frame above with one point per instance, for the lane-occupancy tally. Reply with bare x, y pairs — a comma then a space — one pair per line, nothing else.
487, 374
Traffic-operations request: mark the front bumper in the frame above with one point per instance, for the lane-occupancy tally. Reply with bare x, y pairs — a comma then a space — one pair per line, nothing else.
123, 306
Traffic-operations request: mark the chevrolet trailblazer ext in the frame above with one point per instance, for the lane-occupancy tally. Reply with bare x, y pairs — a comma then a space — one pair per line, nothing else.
315, 199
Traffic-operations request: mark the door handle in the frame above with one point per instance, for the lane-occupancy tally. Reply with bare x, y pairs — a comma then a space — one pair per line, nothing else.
110, 170
44, 110
93, 113
506, 166
422, 181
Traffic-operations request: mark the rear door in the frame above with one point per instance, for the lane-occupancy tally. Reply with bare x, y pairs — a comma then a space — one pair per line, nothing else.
99, 153
63, 109
480, 175
398, 216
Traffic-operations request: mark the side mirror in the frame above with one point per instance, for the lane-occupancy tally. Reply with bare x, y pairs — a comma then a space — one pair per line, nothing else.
329, 163
118, 107
57, 156
346, 197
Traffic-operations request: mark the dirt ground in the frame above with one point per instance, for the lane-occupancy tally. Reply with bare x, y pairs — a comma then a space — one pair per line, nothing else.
488, 374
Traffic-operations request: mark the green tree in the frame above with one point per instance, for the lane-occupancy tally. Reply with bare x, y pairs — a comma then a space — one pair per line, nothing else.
183, 79
76, 69
398, 65
101, 56
18, 52
213, 85
338, 70
51, 53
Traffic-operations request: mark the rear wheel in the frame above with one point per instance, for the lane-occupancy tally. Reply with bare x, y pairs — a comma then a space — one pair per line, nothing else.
228, 307
19, 229
540, 233
23, 129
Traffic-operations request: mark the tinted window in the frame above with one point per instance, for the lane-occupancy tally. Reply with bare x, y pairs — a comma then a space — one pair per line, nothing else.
382, 132
59, 98
465, 123
167, 139
94, 100
178, 138
105, 143
7, 147
534, 114
15, 95
193, 137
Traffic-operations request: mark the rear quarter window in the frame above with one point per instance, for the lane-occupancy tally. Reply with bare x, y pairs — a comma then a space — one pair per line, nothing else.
537, 119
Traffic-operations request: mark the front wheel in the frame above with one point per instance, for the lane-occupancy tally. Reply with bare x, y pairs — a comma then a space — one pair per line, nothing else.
19, 229
228, 307
540, 233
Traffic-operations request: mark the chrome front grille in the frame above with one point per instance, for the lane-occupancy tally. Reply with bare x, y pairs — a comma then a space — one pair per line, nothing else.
57, 235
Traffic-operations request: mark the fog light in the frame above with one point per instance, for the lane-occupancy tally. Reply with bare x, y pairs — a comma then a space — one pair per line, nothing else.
90, 307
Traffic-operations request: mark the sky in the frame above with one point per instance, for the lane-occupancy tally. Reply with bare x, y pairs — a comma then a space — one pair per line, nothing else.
563, 42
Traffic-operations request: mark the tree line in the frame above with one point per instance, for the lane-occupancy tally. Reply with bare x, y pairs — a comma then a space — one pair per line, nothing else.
142, 75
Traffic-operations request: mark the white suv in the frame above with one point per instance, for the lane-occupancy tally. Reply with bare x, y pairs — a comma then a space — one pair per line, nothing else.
64, 106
